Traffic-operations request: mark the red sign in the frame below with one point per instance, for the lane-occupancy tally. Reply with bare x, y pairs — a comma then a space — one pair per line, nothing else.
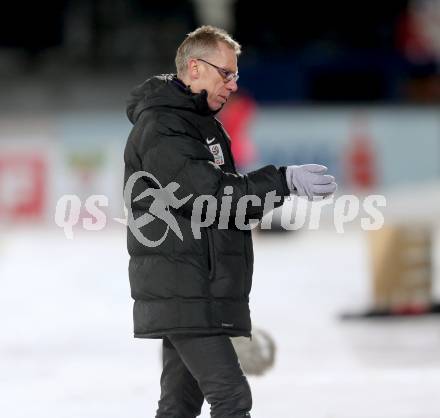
22, 186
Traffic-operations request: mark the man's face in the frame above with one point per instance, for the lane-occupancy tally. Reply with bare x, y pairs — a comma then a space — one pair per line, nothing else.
209, 78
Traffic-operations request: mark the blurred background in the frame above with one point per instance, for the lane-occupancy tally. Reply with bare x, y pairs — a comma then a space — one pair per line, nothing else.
346, 324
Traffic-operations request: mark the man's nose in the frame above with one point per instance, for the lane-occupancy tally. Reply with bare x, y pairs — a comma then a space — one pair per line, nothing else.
232, 86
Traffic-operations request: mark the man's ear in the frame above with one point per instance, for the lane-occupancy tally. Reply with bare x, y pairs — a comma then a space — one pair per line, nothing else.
193, 69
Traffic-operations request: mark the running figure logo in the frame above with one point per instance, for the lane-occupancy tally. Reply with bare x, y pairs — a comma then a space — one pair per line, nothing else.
164, 198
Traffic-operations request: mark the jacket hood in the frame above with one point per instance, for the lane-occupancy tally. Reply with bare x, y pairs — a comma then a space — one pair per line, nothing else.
166, 90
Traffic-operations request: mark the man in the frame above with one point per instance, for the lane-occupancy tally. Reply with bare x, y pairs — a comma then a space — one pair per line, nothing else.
194, 292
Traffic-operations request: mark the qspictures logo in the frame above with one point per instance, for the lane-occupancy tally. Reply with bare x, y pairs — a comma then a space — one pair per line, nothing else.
206, 210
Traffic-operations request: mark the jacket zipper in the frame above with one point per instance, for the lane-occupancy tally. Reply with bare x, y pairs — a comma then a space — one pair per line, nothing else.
231, 158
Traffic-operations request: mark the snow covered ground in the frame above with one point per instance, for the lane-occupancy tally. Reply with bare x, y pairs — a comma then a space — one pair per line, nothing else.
66, 346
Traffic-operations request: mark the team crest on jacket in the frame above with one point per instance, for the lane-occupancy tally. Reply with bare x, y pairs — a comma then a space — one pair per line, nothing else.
217, 152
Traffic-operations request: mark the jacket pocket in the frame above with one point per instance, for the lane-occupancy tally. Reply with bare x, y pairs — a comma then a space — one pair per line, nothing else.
249, 259
211, 253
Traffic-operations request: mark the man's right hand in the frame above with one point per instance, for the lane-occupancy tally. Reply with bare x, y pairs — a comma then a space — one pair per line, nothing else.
309, 180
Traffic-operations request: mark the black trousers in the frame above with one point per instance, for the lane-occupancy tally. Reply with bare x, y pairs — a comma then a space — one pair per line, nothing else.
198, 367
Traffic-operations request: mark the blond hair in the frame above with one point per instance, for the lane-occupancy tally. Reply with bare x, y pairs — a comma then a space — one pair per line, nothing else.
201, 43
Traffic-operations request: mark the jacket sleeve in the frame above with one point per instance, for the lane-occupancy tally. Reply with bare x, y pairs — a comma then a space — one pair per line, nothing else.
171, 154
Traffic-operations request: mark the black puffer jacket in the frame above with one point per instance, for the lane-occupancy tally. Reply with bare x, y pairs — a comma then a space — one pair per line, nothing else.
198, 286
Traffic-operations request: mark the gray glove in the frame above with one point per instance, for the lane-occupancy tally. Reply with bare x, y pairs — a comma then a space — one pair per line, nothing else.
309, 180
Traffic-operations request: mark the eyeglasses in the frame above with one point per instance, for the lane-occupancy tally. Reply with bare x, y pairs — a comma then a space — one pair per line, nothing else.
225, 74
